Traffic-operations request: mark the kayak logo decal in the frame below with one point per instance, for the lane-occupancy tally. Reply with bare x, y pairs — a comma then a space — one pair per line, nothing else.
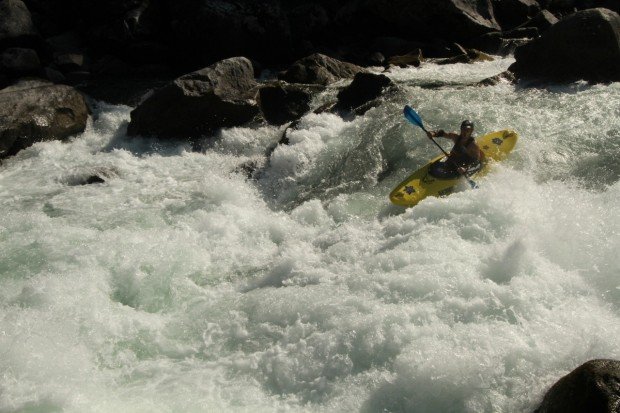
497, 141
409, 189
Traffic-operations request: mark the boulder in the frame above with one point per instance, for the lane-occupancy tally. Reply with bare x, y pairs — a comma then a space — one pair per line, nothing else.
470, 56
34, 111
593, 387
199, 103
409, 59
585, 45
281, 102
542, 21
512, 13
365, 88
69, 62
18, 61
506, 76
319, 69
16, 28
502, 44
455, 20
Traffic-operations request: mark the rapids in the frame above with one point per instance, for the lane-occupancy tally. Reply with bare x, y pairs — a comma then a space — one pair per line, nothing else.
179, 285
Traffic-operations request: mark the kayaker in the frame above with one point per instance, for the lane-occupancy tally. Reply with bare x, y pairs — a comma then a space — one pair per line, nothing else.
465, 153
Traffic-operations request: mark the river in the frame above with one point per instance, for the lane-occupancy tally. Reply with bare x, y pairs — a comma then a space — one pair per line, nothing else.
179, 285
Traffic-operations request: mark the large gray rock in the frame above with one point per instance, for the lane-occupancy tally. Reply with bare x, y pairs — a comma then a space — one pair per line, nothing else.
593, 387
34, 111
319, 69
15, 22
199, 103
585, 45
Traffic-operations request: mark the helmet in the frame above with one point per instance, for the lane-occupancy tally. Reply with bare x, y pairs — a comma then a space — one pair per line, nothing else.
467, 124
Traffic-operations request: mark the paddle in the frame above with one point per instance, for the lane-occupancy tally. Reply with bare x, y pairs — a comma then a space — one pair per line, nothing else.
413, 117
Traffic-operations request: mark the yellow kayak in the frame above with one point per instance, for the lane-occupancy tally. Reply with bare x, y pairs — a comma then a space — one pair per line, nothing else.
496, 146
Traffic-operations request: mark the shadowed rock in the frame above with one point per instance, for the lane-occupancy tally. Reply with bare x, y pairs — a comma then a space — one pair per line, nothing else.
585, 45
15, 23
281, 103
511, 13
199, 103
35, 111
17, 61
319, 69
365, 88
542, 21
593, 387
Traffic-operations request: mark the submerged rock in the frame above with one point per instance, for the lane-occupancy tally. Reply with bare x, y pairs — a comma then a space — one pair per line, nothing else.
35, 111
319, 69
199, 103
585, 45
593, 387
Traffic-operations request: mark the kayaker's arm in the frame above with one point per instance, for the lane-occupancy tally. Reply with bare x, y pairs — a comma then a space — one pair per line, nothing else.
442, 134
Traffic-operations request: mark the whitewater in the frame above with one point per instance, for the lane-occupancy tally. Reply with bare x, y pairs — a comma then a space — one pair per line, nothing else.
182, 285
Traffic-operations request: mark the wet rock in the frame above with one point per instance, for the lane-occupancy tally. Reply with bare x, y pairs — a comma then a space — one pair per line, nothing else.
585, 45
375, 59
496, 44
593, 387
18, 61
35, 111
512, 13
409, 59
281, 102
16, 28
319, 69
199, 103
506, 76
365, 88
470, 56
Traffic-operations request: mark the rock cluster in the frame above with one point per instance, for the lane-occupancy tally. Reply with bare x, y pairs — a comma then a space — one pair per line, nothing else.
117, 49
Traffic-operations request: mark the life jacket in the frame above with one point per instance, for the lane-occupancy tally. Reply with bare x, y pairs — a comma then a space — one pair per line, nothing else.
459, 154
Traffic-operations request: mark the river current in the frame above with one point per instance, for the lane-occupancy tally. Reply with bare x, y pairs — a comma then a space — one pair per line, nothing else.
180, 285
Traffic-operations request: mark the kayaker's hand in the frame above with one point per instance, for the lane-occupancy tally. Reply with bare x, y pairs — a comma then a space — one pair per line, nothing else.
430, 134
461, 170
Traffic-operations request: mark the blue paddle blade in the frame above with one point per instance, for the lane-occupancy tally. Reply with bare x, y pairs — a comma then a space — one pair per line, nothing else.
413, 117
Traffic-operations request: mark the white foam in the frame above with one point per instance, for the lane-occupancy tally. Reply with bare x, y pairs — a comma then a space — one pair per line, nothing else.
179, 285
